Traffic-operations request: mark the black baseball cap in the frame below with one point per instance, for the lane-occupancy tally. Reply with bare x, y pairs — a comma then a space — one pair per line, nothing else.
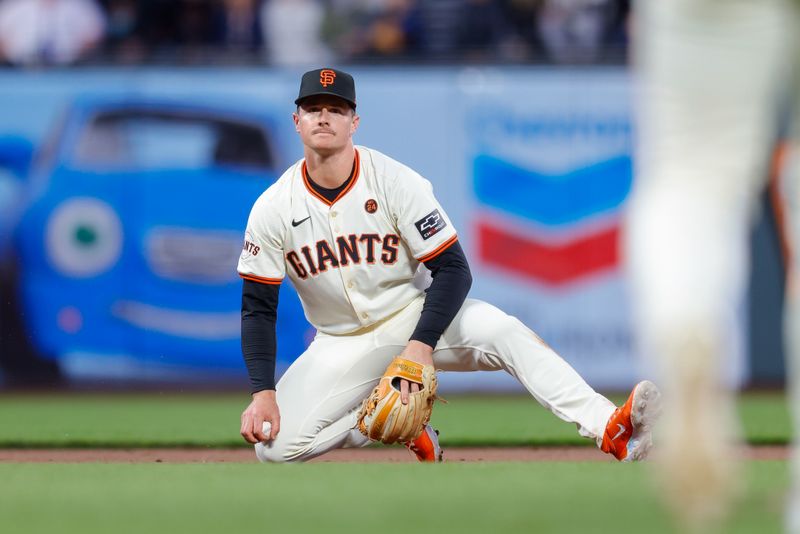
327, 81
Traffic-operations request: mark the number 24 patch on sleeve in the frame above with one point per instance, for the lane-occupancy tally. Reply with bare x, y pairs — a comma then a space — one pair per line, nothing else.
431, 224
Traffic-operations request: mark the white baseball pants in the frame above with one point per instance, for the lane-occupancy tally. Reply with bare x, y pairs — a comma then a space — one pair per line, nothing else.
713, 77
321, 392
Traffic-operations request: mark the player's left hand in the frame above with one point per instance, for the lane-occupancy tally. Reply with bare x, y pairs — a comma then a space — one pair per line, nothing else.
419, 352
385, 417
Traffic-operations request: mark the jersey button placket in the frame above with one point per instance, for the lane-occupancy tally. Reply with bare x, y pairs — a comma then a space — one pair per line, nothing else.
348, 284
334, 226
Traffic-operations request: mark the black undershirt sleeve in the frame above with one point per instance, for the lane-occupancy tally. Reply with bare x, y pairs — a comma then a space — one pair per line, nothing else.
446, 294
259, 314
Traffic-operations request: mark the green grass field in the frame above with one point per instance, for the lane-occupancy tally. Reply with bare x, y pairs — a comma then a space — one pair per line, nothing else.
330, 498
558, 497
212, 420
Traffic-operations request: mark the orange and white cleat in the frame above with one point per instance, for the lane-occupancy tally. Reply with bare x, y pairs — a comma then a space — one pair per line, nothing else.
629, 431
426, 446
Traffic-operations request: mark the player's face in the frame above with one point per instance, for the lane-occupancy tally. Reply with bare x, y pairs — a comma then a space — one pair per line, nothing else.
325, 123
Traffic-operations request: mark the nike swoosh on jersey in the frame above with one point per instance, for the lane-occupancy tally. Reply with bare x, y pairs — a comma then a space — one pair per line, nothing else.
301, 221
622, 430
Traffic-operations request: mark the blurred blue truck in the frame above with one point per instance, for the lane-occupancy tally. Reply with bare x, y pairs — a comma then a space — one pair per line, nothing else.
129, 237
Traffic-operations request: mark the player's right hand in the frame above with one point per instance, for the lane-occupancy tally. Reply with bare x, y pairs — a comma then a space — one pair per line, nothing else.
264, 407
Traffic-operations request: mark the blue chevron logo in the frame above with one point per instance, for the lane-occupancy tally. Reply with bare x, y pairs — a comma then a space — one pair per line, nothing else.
553, 199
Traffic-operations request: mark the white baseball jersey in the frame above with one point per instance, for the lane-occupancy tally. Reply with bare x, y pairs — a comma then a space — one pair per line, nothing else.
351, 260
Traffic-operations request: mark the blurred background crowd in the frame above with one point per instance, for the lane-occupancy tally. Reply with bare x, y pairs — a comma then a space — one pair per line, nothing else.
36, 33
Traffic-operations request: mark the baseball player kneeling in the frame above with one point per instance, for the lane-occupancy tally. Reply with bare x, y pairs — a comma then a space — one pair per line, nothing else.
349, 226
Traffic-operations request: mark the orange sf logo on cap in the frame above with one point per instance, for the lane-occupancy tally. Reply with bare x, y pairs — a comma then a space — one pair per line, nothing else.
327, 77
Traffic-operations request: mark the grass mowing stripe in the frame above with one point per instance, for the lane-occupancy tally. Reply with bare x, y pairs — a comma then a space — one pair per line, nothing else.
765, 418
203, 420
464, 498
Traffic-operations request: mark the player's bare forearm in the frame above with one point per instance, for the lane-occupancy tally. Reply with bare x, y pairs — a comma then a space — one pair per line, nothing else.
419, 352
263, 408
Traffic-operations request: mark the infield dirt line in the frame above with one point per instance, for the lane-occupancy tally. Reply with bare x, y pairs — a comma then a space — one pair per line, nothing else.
368, 455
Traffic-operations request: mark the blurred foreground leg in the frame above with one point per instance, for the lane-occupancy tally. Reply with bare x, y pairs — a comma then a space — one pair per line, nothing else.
793, 383
710, 72
791, 194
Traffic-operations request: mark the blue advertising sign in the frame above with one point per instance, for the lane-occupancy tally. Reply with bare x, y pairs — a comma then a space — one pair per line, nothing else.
129, 218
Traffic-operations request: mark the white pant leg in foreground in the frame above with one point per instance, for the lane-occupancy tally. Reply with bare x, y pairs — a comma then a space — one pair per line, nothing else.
710, 75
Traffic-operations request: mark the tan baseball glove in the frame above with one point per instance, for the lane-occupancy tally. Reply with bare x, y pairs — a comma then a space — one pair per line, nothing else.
383, 417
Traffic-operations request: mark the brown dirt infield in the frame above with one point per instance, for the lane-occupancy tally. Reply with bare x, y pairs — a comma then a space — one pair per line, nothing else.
368, 455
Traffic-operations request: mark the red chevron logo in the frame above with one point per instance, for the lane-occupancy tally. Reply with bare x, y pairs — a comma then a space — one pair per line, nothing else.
548, 263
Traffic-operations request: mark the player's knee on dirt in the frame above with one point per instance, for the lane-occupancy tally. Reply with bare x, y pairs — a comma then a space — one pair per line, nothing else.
274, 453
280, 451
